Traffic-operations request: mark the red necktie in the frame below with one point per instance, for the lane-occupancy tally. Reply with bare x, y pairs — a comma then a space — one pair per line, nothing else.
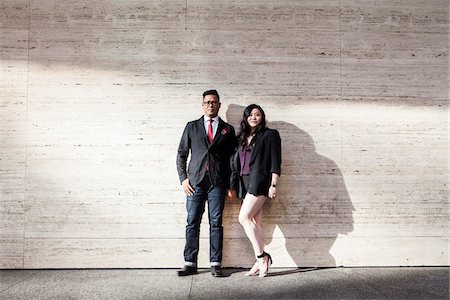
210, 131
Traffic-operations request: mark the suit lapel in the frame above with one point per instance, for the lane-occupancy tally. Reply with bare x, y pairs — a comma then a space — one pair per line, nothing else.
219, 130
258, 145
201, 129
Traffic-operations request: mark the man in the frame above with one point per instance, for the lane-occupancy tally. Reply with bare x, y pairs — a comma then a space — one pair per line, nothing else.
211, 142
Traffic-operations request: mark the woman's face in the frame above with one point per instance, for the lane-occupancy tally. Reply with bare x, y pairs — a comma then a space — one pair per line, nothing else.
254, 119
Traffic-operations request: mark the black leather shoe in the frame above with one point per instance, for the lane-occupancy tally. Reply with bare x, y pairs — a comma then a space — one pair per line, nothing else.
216, 271
187, 270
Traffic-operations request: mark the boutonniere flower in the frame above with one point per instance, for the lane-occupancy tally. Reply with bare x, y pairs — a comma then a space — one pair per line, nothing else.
224, 131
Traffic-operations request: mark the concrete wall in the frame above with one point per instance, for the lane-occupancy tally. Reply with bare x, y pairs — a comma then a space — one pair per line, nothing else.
95, 95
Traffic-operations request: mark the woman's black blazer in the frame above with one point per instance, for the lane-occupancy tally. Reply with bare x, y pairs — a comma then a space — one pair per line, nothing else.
265, 160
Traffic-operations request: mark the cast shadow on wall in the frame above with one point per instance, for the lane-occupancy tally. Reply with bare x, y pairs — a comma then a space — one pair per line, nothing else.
313, 206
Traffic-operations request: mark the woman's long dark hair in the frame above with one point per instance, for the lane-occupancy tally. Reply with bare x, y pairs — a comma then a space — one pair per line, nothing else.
244, 131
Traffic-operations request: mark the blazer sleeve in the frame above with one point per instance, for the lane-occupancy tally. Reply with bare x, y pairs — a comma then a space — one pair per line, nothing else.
232, 146
275, 152
234, 178
183, 153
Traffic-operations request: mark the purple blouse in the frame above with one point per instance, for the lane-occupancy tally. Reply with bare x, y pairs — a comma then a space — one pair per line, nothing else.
245, 154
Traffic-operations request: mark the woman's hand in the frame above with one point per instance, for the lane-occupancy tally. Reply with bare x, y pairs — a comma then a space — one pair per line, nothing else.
273, 186
231, 195
272, 192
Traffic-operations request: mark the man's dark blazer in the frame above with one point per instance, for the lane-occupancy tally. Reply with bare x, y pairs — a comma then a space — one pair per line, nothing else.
265, 160
217, 154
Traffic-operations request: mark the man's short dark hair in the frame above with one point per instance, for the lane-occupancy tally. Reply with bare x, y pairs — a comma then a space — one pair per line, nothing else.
212, 92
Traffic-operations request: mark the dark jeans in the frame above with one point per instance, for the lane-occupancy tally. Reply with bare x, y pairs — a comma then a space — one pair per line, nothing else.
195, 206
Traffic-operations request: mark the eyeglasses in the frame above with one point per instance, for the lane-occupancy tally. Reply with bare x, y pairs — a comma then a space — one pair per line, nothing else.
208, 103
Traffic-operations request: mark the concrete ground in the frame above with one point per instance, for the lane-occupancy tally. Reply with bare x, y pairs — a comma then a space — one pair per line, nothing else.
333, 283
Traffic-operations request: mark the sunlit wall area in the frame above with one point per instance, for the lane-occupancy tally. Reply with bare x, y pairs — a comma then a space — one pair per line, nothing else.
95, 96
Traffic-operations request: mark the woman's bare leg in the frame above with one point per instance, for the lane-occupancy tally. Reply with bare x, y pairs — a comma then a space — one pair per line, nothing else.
250, 217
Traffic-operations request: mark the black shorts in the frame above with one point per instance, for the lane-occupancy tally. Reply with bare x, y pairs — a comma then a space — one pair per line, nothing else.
245, 181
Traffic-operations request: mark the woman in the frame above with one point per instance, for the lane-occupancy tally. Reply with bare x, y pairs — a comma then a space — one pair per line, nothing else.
256, 167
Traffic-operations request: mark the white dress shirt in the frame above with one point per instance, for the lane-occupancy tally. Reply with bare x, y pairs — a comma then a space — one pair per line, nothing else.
215, 124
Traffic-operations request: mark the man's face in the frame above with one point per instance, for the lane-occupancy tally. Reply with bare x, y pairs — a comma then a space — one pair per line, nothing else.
211, 106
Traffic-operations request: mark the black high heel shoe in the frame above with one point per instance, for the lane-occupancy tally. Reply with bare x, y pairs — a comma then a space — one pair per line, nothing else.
262, 272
